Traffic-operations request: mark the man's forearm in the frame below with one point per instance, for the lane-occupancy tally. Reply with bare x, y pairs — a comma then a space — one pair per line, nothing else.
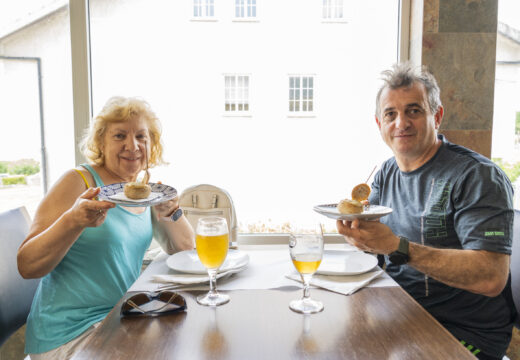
479, 271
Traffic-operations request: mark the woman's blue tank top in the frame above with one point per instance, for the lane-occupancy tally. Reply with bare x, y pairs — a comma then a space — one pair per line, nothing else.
87, 283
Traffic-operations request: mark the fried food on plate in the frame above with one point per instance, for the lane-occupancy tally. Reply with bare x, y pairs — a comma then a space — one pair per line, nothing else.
347, 206
137, 190
360, 192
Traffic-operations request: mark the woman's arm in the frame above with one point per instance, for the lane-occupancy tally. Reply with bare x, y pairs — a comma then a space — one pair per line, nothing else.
172, 235
59, 220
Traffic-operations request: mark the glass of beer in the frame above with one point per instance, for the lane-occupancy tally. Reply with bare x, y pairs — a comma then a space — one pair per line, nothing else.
306, 249
212, 239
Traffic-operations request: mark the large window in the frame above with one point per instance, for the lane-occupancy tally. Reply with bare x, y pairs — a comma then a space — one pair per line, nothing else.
300, 93
37, 144
276, 163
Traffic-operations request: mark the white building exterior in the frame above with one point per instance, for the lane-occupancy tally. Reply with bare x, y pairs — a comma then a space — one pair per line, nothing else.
507, 93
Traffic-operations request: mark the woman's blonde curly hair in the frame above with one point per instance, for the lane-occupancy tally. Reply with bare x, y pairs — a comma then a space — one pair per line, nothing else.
121, 109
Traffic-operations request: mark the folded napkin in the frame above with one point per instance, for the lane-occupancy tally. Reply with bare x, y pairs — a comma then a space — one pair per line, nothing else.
342, 284
192, 278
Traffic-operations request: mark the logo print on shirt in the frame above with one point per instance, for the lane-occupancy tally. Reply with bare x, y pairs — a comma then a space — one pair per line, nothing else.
435, 218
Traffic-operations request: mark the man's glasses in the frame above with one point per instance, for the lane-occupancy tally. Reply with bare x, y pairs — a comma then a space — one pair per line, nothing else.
150, 304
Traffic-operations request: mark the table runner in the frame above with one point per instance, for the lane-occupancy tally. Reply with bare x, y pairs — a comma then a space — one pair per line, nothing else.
267, 269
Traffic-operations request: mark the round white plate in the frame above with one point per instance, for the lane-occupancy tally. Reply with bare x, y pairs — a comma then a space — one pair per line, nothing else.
115, 193
188, 262
370, 212
337, 262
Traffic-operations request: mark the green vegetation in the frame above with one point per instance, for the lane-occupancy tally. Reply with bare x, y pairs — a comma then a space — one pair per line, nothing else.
512, 170
517, 123
18, 170
14, 180
24, 167
20, 167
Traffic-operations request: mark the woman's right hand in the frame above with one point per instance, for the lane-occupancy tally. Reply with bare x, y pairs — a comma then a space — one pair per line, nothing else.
87, 211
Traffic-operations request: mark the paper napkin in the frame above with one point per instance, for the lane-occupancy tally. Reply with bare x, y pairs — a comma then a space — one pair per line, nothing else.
342, 284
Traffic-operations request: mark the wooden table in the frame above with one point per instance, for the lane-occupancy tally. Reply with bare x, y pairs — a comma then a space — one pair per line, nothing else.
374, 323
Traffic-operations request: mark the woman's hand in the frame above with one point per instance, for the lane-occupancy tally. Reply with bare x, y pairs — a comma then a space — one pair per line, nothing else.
167, 208
87, 211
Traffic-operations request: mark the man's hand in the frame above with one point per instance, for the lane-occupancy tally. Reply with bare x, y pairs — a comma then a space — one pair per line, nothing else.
371, 236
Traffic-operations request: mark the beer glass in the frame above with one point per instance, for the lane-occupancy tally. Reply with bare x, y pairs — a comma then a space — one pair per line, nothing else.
306, 249
212, 239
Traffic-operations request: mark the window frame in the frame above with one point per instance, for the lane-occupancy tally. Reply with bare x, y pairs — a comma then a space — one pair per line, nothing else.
301, 113
82, 95
245, 18
204, 8
333, 6
237, 113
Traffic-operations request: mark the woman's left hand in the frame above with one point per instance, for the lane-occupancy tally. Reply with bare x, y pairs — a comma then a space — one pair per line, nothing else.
166, 208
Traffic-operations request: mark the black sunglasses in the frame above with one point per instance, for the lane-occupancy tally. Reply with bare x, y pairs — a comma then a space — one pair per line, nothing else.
171, 303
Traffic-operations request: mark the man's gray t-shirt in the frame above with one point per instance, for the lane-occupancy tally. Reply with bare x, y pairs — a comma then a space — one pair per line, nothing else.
457, 200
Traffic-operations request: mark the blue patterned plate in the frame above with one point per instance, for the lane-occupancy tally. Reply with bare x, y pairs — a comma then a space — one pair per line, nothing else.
115, 193
370, 212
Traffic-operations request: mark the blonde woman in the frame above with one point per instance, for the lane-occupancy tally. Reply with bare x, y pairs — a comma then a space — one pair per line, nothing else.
89, 252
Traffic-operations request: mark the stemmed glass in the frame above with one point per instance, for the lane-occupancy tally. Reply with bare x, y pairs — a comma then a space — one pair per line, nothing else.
306, 249
212, 239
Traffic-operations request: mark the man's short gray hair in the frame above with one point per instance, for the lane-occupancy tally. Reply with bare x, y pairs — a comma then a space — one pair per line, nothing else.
405, 75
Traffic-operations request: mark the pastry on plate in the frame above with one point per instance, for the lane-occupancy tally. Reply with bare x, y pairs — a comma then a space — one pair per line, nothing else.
360, 192
347, 206
137, 190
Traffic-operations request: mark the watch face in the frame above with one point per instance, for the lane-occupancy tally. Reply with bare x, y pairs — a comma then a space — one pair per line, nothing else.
177, 214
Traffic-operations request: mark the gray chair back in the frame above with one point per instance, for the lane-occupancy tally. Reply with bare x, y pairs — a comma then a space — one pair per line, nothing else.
16, 293
515, 267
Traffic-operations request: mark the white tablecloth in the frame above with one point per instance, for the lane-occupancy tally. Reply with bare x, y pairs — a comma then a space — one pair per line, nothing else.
267, 269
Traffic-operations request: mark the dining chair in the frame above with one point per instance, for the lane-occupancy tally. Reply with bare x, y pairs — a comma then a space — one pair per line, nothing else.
515, 266
16, 293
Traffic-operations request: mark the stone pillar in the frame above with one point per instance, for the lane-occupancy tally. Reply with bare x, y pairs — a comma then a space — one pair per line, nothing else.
459, 48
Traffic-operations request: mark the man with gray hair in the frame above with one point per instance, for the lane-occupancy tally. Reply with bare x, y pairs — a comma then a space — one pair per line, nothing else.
448, 240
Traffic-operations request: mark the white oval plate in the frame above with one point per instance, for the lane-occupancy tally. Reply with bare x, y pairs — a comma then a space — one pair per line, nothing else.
115, 193
188, 262
370, 212
338, 262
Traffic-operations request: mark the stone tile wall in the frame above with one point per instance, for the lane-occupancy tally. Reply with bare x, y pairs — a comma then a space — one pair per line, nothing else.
459, 48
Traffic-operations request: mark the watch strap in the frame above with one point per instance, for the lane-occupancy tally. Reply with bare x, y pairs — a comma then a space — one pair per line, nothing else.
175, 216
400, 256
404, 245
